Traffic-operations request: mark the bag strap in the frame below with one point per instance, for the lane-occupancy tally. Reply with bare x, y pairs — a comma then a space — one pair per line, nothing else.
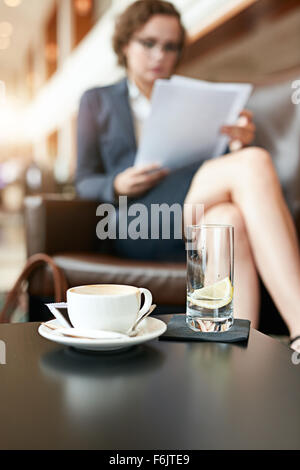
34, 262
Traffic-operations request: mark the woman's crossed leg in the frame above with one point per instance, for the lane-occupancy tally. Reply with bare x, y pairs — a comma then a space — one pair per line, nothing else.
243, 189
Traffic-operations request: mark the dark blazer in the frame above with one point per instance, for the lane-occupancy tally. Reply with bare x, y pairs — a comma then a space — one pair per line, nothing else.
106, 143
107, 146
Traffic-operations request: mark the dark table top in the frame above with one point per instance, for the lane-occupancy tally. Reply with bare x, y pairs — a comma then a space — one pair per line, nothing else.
159, 395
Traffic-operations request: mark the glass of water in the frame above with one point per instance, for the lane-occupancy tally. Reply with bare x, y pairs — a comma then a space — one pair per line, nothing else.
210, 270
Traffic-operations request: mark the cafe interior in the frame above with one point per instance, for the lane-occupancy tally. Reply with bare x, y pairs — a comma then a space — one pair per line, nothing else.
51, 52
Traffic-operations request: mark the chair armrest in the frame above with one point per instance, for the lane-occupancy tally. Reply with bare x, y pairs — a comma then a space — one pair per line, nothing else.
56, 224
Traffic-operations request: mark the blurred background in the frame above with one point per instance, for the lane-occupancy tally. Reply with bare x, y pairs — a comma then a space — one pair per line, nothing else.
51, 51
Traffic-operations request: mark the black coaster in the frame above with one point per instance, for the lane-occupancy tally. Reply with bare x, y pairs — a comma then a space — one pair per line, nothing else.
179, 330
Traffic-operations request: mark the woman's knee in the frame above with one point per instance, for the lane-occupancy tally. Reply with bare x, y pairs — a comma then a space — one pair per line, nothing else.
258, 163
249, 163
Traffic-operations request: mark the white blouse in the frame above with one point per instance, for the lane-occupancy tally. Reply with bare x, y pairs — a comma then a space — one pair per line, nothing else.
140, 107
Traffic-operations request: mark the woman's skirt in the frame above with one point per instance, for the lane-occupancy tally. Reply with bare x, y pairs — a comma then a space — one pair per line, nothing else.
153, 222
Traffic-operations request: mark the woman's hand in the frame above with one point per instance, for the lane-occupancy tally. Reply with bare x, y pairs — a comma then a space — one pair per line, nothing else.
135, 181
243, 133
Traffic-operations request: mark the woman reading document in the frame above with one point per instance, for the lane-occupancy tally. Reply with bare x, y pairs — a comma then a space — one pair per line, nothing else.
240, 188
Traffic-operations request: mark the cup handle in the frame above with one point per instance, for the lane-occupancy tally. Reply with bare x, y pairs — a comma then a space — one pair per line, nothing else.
147, 303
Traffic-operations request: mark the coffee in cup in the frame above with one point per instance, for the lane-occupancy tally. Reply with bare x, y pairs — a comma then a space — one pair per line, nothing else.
108, 307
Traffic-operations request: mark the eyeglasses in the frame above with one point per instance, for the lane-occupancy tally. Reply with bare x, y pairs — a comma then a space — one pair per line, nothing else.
150, 44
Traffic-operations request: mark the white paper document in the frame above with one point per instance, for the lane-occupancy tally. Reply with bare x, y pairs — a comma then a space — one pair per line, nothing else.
186, 118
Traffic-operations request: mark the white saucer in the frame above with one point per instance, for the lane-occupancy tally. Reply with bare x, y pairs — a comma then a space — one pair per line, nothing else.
149, 329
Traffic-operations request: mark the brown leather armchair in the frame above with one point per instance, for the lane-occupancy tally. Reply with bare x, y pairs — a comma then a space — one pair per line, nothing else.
65, 229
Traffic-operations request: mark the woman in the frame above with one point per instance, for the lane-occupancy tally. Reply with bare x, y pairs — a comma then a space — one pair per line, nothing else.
149, 39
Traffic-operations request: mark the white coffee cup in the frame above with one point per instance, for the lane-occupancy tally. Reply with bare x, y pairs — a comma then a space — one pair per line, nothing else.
108, 307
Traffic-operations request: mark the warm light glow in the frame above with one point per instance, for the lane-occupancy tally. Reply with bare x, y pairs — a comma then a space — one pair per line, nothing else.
34, 177
51, 52
13, 3
4, 43
6, 29
2, 93
11, 122
30, 77
83, 7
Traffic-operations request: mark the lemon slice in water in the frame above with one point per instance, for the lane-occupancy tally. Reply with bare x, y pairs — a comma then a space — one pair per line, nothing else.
214, 296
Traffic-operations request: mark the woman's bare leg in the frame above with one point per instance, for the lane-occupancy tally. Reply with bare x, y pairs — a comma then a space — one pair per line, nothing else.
248, 180
246, 283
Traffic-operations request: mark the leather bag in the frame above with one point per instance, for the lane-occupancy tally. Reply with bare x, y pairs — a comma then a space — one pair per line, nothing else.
33, 263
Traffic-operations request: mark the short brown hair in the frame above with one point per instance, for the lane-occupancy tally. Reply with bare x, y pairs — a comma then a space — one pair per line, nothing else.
137, 15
